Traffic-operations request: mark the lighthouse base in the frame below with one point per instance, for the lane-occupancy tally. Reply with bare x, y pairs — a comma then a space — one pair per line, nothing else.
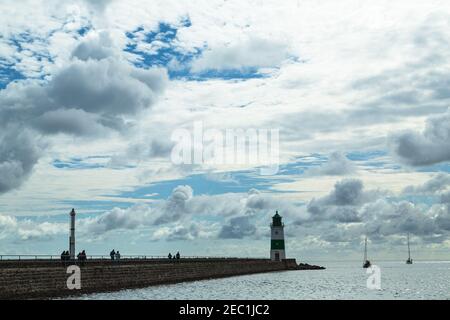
277, 255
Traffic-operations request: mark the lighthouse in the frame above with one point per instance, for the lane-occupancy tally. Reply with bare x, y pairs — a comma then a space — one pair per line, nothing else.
72, 235
277, 251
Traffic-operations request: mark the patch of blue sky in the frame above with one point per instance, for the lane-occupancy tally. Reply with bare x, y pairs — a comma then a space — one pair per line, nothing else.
202, 184
164, 51
84, 30
231, 74
25, 41
87, 207
253, 179
19, 39
301, 164
22, 42
365, 155
382, 164
164, 48
80, 163
243, 73
442, 167
9, 74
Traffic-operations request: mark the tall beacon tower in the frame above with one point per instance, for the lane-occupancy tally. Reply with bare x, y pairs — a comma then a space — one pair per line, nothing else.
72, 235
277, 251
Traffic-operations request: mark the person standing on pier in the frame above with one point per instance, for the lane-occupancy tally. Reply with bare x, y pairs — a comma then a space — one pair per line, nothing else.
178, 255
81, 257
117, 255
64, 257
112, 254
169, 256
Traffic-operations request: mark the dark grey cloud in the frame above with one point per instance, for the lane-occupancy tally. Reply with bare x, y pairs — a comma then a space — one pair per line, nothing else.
346, 192
172, 216
343, 203
237, 228
176, 206
356, 212
105, 87
438, 183
338, 164
96, 48
126, 219
445, 197
115, 219
70, 121
182, 233
442, 211
98, 6
343, 216
257, 201
19, 152
382, 218
157, 147
424, 148
93, 94
443, 218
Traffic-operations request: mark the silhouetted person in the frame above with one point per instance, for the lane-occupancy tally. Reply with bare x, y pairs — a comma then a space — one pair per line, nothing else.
112, 254
178, 255
80, 258
169, 256
83, 257
117, 255
63, 257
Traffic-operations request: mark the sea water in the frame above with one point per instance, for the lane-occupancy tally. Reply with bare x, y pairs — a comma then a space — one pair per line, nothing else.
341, 280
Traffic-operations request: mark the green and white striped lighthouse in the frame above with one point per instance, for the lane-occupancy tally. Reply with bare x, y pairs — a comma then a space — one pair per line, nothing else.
277, 251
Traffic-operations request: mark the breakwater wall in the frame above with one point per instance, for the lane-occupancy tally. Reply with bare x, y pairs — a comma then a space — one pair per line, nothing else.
48, 279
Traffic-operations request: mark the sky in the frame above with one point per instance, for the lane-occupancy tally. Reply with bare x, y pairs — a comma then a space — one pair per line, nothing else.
91, 93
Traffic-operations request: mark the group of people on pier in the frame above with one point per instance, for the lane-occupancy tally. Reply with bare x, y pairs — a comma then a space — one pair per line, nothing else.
82, 257
65, 256
114, 255
175, 256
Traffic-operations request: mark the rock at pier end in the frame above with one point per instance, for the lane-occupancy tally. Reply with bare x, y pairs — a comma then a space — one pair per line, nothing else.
305, 266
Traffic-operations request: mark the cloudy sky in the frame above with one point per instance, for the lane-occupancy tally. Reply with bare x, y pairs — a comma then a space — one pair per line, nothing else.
91, 92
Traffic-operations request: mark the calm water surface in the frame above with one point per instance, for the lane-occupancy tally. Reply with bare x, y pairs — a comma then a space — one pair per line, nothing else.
341, 280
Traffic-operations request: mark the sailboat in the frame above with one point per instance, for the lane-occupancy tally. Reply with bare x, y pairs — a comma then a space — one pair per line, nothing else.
366, 263
409, 261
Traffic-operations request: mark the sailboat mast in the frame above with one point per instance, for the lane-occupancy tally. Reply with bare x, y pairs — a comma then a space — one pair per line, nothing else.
409, 251
365, 250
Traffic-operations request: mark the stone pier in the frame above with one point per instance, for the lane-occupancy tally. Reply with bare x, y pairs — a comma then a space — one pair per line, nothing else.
48, 279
